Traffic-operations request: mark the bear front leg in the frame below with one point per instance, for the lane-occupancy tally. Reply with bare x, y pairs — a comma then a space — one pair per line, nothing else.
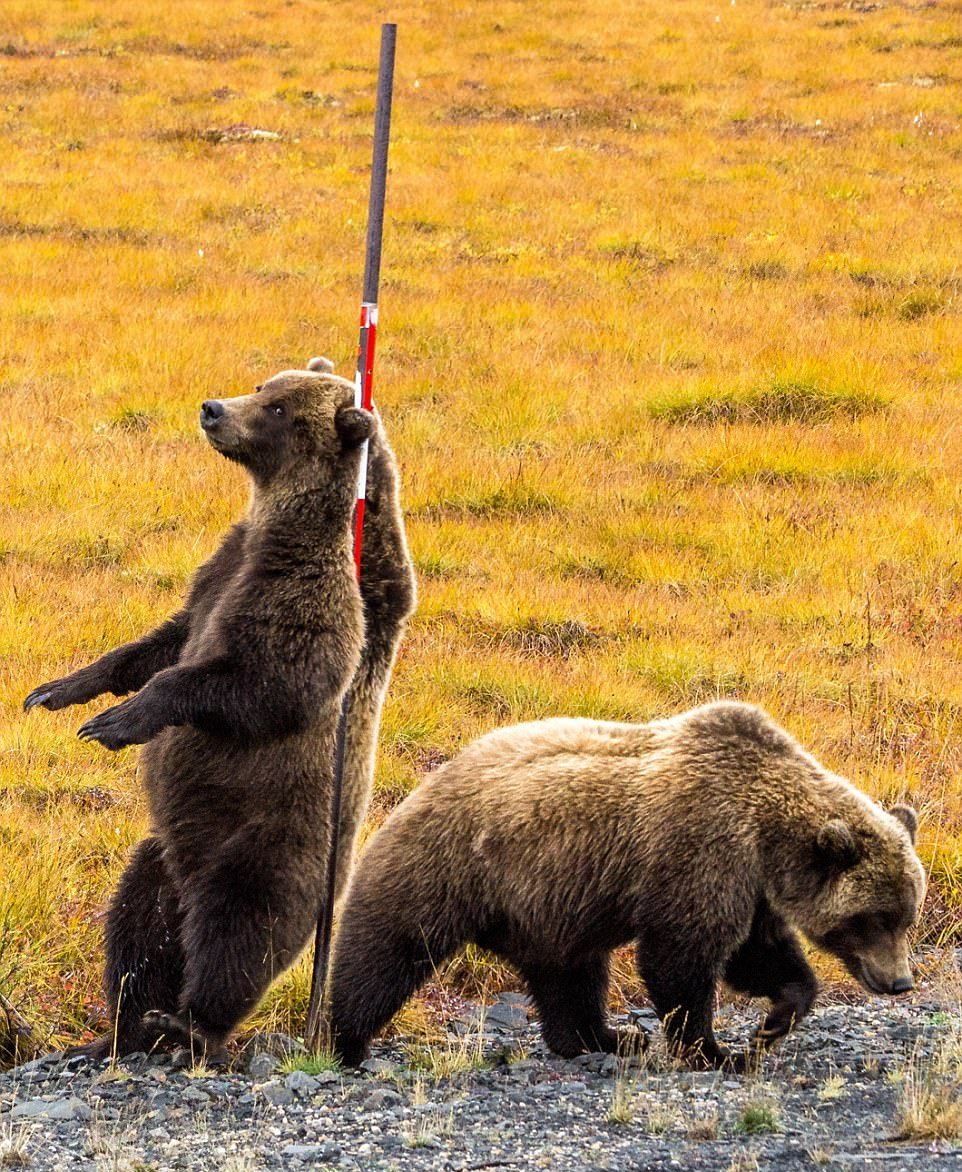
572, 1003
217, 696
233, 695
771, 964
682, 990
123, 670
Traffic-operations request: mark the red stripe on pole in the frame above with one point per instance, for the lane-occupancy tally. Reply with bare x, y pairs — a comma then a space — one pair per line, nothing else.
358, 530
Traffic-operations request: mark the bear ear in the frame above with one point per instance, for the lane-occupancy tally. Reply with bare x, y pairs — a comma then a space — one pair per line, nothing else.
354, 425
835, 846
908, 817
321, 365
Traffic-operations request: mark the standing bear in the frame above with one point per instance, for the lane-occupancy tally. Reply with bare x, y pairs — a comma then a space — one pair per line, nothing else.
237, 701
708, 839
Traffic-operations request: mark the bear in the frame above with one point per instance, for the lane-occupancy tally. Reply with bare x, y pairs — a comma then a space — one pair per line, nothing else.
237, 698
710, 840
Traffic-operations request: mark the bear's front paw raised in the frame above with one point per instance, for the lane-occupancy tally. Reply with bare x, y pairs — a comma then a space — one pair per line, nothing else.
60, 694
128, 723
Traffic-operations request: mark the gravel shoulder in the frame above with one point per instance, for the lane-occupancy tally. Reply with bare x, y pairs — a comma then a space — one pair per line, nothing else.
829, 1097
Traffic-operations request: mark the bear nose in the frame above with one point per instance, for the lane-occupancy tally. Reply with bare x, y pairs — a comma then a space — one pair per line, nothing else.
902, 985
210, 411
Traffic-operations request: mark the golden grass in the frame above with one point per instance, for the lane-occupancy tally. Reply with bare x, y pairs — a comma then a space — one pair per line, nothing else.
620, 239
930, 1098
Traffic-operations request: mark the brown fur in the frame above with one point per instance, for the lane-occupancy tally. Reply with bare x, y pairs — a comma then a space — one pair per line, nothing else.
237, 701
708, 839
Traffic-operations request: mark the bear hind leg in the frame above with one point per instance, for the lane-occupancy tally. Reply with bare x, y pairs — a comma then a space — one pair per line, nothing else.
145, 961
240, 933
375, 970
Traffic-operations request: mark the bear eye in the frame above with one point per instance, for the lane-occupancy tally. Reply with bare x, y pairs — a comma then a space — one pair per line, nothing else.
276, 409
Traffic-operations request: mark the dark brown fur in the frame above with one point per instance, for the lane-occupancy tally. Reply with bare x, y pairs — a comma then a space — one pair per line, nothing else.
709, 840
237, 701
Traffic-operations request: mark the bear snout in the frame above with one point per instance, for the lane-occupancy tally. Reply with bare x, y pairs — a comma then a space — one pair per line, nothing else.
879, 978
211, 411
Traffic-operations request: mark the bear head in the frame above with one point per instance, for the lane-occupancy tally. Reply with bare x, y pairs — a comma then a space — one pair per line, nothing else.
293, 428
867, 889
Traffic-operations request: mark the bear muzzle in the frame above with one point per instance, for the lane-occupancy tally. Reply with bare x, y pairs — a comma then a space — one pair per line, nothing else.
876, 980
211, 412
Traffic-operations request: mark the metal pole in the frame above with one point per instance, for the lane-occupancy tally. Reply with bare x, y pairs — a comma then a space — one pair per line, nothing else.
363, 397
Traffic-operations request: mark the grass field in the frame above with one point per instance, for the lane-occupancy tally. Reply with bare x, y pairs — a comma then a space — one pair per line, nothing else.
670, 354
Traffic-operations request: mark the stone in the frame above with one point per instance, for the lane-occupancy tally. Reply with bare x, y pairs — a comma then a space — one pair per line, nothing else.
381, 1099
513, 997
301, 1083
72, 1109
280, 1045
44, 1062
277, 1094
504, 1015
312, 1153
381, 1066
263, 1065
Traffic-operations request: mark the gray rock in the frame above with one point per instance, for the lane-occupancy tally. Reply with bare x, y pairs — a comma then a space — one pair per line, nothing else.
38, 1068
263, 1065
514, 998
381, 1099
504, 1015
301, 1083
379, 1066
280, 1045
277, 1094
312, 1153
71, 1110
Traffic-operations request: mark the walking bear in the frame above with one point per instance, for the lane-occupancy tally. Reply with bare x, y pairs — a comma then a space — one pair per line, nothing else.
709, 839
237, 702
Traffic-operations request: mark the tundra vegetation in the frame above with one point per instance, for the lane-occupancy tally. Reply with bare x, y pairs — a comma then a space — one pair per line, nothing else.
670, 355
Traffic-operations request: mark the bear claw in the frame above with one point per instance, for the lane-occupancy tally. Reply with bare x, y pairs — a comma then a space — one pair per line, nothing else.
37, 697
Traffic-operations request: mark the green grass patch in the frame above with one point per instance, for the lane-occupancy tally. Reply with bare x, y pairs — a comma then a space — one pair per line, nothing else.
782, 401
918, 304
317, 1063
758, 1117
538, 637
516, 500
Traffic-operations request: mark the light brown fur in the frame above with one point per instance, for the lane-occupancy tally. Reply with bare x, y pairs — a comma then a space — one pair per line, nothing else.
707, 838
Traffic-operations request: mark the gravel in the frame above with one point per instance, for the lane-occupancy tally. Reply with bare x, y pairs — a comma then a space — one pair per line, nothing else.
829, 1097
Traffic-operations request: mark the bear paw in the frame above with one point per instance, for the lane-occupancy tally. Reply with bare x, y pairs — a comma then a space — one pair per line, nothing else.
125, 724
167, 1024
60, 694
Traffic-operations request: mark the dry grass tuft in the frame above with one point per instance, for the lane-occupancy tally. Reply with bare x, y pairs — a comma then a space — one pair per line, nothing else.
930, 1097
